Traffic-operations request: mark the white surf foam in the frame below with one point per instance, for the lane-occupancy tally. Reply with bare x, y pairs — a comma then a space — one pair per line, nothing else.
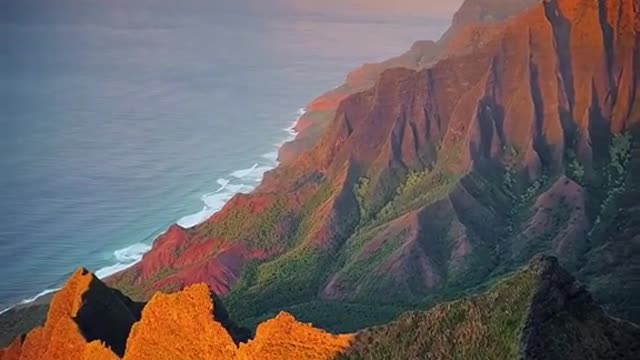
125, 258
271, 156
41, 294
31, 299
131, 253
112, 269
239, 174
213, 202
223, 184
242, 181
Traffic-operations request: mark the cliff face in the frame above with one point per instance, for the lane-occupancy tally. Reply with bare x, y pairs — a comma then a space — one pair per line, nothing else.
472, 26
436, 180
539, 312
181, 326
85, 310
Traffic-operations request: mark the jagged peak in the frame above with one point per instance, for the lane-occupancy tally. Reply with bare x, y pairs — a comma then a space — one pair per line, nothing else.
97, 350
543, 298
284, 337
85, 309
180, 325
68, 300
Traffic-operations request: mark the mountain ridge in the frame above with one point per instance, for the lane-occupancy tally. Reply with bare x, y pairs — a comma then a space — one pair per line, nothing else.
422, 185
427, 177
535, 303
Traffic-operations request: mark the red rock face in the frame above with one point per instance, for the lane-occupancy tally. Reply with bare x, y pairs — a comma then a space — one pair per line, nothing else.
557, 79
13, 351
564, 197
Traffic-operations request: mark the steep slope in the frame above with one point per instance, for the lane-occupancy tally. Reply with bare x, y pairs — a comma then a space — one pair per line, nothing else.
539, 312
438, 180
189, 324
85, 310
285, 338
20, 320
469, 29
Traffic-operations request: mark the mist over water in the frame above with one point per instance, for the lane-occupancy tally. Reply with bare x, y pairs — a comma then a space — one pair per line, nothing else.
120, 118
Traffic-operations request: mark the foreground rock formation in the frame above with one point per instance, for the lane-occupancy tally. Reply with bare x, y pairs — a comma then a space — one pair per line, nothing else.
89, 321
537, 313
436, 173
85, 310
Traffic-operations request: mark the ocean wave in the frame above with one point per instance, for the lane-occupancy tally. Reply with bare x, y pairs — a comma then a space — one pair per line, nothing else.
271, 156
223, 184
213, 202
41, 294
239, 174
241, 182
31, 299
254, 173
131, 253
5, 310
125, 257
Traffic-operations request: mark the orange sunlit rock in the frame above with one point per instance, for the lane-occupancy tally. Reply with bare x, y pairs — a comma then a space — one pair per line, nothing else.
180, 326
285, 338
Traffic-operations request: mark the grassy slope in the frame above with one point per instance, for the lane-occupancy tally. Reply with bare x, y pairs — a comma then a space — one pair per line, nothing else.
480, 327
294, 280
540, 312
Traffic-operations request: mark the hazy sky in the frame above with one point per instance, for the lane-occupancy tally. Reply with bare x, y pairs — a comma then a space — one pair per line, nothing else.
427, 8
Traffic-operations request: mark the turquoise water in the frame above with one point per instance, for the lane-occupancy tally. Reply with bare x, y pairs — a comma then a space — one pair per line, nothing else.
120, 118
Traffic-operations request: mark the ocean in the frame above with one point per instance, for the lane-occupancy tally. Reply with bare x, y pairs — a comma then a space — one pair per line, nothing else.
121, 117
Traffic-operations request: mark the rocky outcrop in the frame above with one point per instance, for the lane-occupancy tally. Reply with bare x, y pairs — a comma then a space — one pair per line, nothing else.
560, 308
540, 312
285, 338
432, 174
85, 310
87, 321
476, 13
472, 27
180, 326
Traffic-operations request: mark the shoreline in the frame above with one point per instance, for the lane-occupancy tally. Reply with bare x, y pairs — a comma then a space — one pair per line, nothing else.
131, 255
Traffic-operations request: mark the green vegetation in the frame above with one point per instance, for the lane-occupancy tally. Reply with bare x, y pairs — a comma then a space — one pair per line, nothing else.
335, 316
293, 280
258, 230
361, 192
481, 327
306, 223
270, 286
293, 277
575, 169
418, 190
619, 157
511, 157
363, 267
523, 201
